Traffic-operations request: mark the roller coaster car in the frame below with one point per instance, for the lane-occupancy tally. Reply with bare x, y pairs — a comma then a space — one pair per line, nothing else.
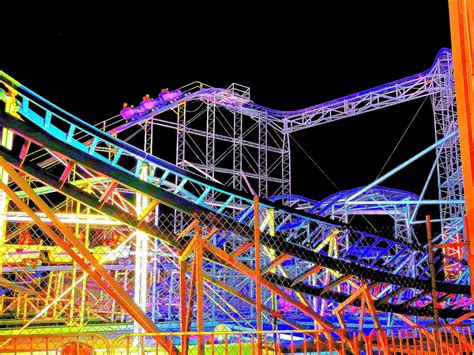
170, 95
148, 104
57, 255
15, 254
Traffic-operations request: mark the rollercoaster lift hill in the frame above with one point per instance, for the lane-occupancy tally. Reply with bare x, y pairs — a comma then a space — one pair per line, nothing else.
234, 258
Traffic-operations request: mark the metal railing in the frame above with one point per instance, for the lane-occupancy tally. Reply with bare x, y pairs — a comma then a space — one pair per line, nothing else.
418, 340
55, 344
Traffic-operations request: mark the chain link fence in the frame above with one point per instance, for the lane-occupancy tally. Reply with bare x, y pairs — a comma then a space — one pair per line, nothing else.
60, 344
259, 266
312, 275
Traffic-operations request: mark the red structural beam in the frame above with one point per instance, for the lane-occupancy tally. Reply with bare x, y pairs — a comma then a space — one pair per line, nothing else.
198, 260
258, 275
461, 14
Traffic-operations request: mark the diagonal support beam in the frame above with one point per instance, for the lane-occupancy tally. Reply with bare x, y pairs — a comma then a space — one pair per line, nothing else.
192, 292
390, 295
402, 166
463, 318
108, 191
188, 250
150, 207
66, 172
17, 288
188, 229
275, 262
414, 299
349, 300
370, 305
242, 249
311, 271
366, 300
336, 283
24, 151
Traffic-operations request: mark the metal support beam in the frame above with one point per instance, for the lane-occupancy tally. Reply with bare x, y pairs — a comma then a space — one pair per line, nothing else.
461, 15
275, 262
182, 303
402, 166
199, 270
258, 274
431, 258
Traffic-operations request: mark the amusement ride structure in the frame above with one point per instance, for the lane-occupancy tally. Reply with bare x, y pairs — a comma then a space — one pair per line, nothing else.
99, 233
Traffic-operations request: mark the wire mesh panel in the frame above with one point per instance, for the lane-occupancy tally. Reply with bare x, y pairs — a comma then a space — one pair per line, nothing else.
55, 344
448, 339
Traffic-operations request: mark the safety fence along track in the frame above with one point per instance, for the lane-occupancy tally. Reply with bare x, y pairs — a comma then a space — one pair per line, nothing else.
444, 340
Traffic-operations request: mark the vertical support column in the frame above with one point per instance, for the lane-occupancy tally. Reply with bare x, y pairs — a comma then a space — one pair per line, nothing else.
11, 108
450, 181
286, 165
210, 141
141, 257
148, 142
3, 202
258, 274
180, 158
82, 233
461, 13
262, 156
147, 148
75, 271
198, 260
181, 135
83, 285
237, 152
401, 218
154, 280
432, 271
182, 304
434, 294
7, 142
182, 294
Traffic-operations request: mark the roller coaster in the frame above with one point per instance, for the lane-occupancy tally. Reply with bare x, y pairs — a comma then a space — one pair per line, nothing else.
98, 231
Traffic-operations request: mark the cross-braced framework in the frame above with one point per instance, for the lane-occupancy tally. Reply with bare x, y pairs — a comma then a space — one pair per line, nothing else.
449, 168
225, 136
219, 138
99, 233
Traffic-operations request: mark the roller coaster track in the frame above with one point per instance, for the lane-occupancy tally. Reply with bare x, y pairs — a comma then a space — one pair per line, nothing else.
396, 92
283, 246
298, 234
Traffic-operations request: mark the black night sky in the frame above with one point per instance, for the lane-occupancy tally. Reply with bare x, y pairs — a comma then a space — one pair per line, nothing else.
90, 61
